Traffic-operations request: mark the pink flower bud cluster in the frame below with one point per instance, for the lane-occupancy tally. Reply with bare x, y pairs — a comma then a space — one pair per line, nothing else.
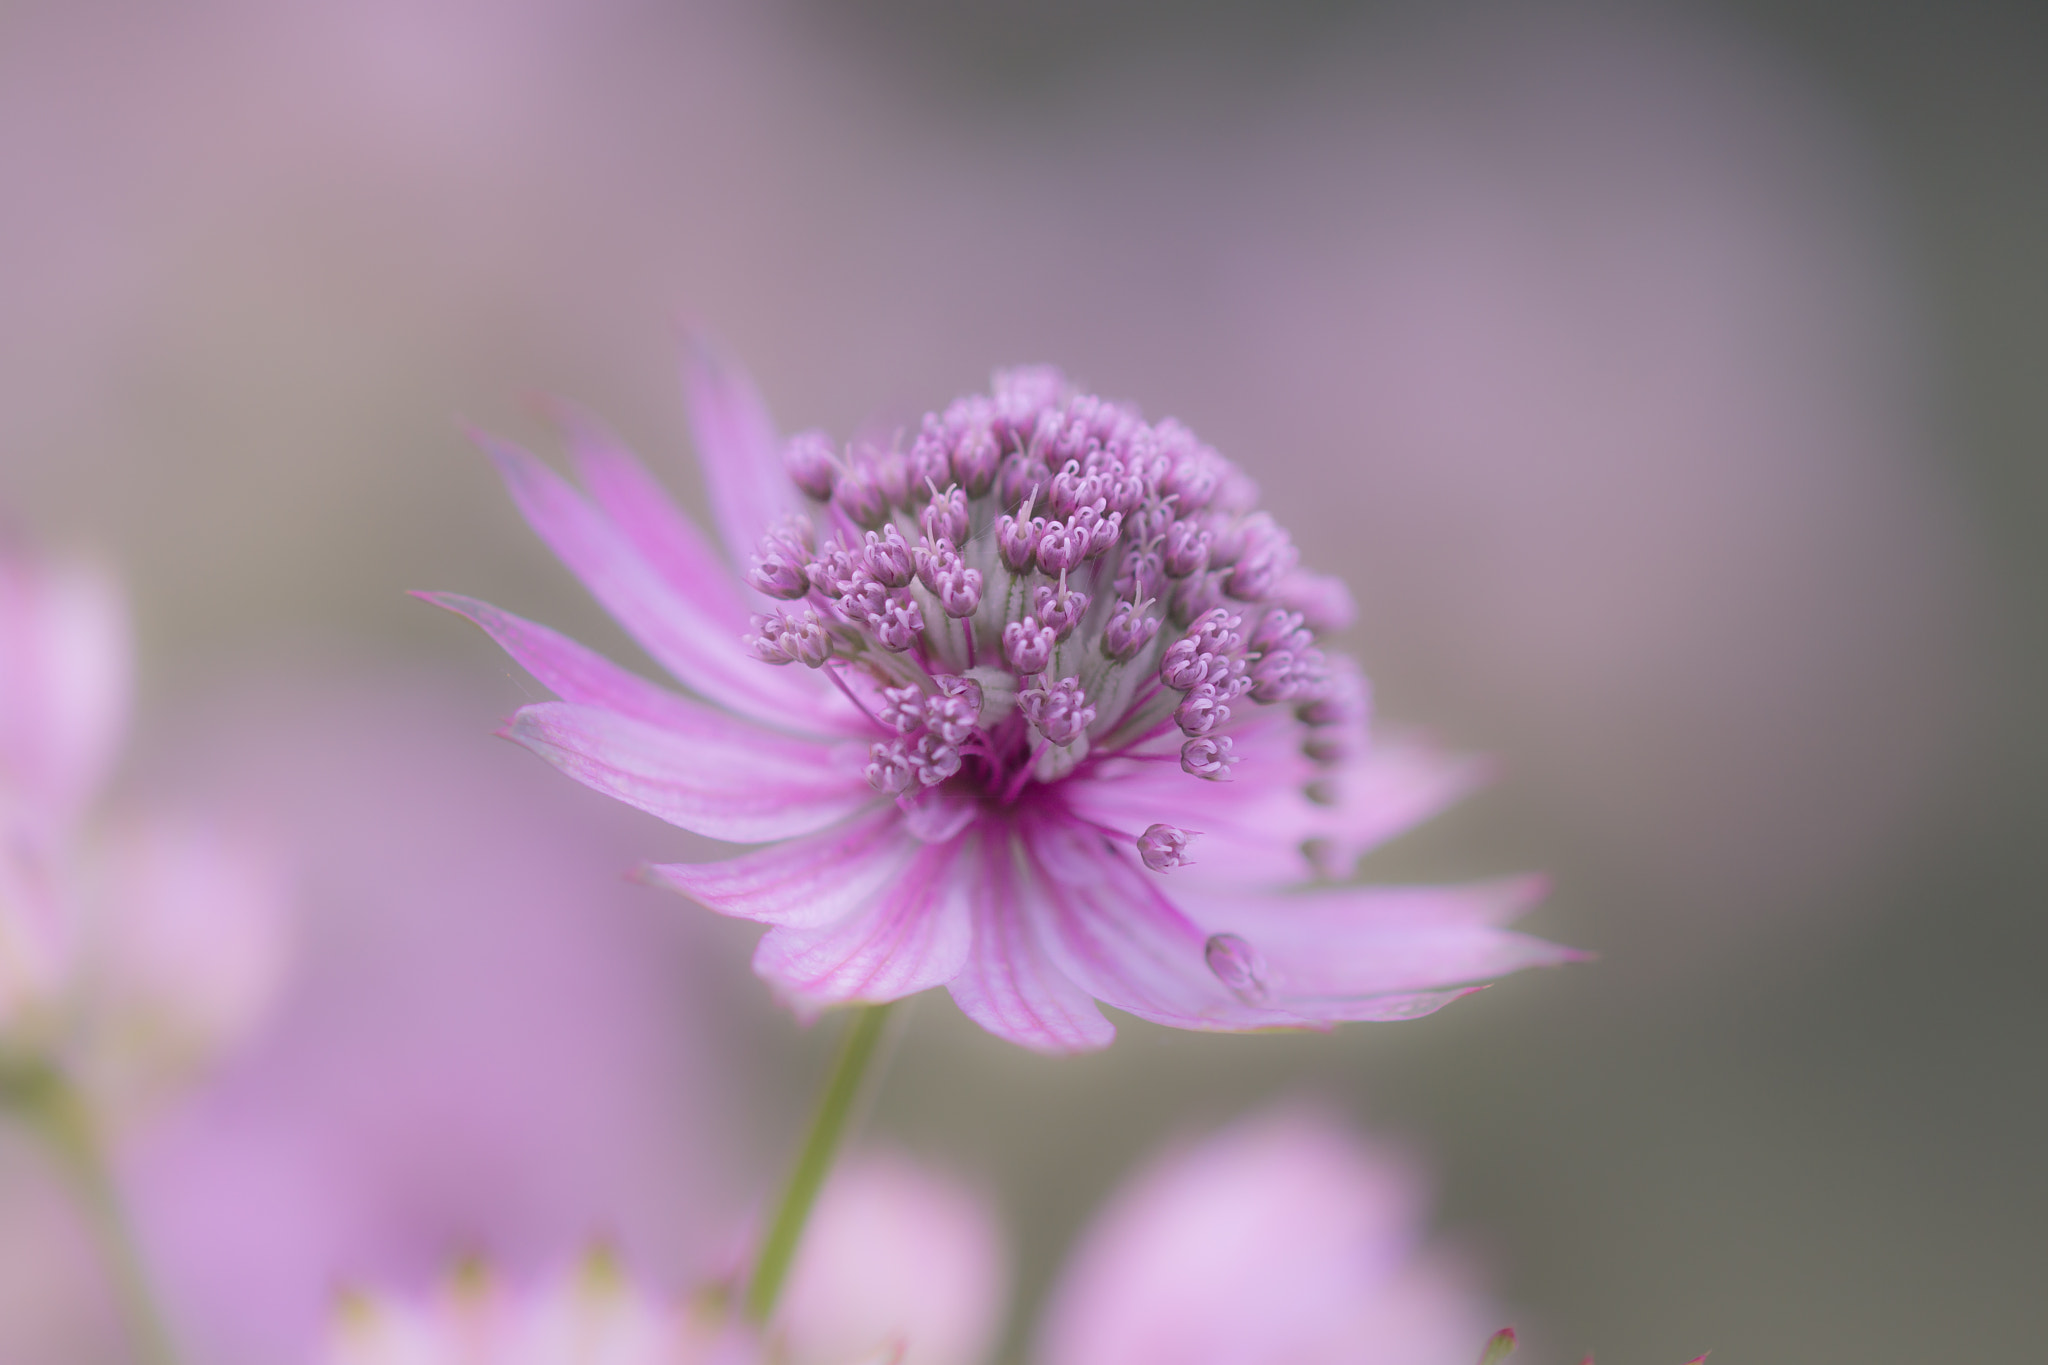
931, 729
1117, 570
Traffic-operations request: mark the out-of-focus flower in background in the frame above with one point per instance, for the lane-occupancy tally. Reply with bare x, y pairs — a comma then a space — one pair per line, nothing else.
589, 1314
1283, 1237
131, 952
896, 1254
1005, 727
493, 1046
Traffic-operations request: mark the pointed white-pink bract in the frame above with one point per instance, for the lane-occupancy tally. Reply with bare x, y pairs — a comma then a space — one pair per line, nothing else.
1034, 710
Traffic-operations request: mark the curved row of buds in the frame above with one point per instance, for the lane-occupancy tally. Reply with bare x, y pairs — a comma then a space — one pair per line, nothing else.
1043, 577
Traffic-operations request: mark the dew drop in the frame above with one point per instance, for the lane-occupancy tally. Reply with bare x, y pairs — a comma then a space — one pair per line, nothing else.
1237, 965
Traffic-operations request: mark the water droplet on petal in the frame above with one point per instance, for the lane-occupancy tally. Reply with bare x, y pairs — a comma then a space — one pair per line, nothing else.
1237, 965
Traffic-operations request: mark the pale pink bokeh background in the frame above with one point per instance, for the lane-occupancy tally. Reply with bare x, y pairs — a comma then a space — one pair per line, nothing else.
1595, 348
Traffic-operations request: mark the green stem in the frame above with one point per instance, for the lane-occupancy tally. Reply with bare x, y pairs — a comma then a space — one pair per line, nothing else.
54, 1109
814, 1162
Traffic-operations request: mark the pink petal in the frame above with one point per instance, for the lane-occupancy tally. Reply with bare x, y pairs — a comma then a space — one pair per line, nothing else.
737, 448
1009, 985
1398, 783
641, 508
1361, 952
807, 883
575, 673
688, 641
1107, 926
1252, 828
910, 935
725, 781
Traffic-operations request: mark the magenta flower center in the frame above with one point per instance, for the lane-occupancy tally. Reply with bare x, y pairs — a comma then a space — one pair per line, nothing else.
1044, 583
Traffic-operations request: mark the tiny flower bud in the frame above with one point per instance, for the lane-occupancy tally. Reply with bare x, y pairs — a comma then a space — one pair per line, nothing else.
1060, 548
809, 459
1278, 629
1201, 711
899, 623
1216, 630
775, 574
1017, 539
929, 459
959, 592
888, 558
888, 767
1059, 608
1164, 847
966, 688
1128, 631
975, 459
1187, 549
892, 476
1028, 646
859, 497
1141, 575
902, 708
1060, 712
933, 760
933, 558
1185, 666
1102, 530
1207, 756
1069, 489
807, 638
952, 718
1022, 478
945, 516
1192, 480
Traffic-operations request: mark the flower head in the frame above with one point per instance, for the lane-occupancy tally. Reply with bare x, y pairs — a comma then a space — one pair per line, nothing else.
128, 950
1016, 655
592, 1314
1281, 1238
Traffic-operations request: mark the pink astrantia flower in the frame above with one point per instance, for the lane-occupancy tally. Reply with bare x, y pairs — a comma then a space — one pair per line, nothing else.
128, 952
1034, 710
1282, 1238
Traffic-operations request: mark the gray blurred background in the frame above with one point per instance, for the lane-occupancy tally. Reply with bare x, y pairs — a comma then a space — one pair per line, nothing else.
1666, 380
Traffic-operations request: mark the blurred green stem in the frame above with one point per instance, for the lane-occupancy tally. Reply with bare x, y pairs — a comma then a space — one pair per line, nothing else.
814, 1162
53, 1109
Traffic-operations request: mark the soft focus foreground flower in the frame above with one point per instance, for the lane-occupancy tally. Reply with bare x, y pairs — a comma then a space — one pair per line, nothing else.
1004, 680
131, 953
589, 1315
1280, 1239
901, 1267
491, 1046
895, 1256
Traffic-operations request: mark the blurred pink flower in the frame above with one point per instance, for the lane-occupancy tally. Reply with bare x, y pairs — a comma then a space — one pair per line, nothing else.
895, 1255
900, 1265
590, 1314
1028, 642
490, 1046
1282, 1238
130, 953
